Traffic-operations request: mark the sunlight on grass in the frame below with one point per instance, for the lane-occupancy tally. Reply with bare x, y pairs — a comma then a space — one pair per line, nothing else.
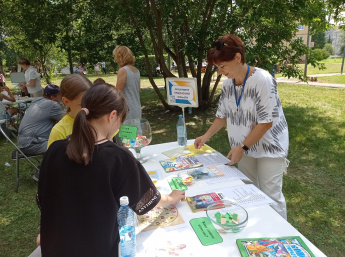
5, 221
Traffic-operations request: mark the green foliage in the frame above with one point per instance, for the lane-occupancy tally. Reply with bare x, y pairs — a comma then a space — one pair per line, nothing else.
319, 40
186, 30
319, 54
140, 63
329, 48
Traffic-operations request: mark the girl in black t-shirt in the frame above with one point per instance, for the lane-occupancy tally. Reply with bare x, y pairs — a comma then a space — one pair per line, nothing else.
82, 179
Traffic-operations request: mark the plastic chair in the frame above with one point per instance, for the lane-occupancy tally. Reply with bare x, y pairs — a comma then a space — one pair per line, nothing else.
17, 154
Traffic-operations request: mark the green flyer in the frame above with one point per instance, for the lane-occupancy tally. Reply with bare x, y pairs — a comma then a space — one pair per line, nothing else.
205, 231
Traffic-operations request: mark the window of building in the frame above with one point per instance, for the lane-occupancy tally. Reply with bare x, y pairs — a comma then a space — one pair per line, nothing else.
300, 27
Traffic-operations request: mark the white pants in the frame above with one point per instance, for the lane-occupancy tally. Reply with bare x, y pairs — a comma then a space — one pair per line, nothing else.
267, 175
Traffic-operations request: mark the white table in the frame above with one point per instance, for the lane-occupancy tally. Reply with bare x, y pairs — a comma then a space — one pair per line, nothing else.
263, 220
21, 100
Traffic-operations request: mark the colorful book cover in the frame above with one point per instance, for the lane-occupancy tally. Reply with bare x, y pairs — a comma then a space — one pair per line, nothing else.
274, 247
180, 163
200, 202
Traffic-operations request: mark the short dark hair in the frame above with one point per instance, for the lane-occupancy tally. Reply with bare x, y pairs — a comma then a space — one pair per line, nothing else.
225, 49
24, 61
100, 100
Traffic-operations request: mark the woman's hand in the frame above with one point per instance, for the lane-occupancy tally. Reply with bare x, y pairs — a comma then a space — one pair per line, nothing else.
199, 142
235, 155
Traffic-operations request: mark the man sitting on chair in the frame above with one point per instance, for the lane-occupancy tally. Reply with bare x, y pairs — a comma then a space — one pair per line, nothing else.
39, 120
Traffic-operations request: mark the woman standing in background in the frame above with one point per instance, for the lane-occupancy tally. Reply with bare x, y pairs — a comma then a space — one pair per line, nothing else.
128, 80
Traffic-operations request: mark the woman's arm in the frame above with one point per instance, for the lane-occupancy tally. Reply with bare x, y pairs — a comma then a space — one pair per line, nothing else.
121, 79
32, 83
254, 136
217, 124
10, 96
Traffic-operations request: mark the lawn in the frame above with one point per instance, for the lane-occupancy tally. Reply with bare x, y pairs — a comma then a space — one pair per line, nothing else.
109, 78
314, 186
339, 79
331, 67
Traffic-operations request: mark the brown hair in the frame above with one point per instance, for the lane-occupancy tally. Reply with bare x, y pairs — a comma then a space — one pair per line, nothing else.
99, 81
72, 85
123, 55
101, 99
225, 49
24, 61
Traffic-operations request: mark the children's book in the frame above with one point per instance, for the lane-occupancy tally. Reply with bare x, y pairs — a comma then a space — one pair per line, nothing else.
200, 202
274, 247
180, 163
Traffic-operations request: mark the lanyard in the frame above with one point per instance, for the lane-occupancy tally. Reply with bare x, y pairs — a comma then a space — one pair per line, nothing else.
244, 83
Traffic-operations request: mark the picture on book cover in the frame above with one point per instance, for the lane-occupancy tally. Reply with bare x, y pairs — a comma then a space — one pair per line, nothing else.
180, 163
200, 202
274, 247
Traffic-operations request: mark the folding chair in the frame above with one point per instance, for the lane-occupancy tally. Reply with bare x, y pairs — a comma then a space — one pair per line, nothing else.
17, 154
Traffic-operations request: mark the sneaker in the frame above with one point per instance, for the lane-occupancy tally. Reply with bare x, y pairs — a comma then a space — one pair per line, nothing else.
36, 176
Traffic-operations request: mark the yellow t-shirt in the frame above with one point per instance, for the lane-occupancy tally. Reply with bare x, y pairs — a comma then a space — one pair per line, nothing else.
61, 130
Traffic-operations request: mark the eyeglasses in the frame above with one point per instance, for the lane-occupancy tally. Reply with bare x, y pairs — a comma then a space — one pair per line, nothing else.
219, 44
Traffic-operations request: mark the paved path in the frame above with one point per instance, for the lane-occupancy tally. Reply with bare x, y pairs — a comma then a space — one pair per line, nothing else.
284, 80
311, 83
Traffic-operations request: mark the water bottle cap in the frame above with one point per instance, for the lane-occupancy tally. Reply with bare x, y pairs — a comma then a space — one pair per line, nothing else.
124, 200
180, 116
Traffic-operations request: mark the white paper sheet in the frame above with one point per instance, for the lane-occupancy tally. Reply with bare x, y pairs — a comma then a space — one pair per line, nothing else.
246, 195
211, 159
230, 173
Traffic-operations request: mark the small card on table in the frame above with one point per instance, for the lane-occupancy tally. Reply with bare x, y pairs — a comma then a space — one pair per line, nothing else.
205, 231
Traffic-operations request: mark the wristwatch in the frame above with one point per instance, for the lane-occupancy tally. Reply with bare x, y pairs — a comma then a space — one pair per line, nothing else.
244, 147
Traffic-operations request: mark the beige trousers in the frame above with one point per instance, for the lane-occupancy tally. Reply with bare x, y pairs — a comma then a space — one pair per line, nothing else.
267, 175
37, 94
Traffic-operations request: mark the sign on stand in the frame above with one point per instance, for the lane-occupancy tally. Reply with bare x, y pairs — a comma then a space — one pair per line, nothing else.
182, 92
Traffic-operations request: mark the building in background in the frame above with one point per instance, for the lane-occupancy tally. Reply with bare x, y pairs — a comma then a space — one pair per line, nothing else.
336, 37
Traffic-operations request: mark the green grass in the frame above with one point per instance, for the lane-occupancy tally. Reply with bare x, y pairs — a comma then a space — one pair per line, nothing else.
109, 78
340, 79
314, 186
330, 68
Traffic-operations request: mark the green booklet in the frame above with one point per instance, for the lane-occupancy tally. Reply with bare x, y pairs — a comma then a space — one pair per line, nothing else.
274, 246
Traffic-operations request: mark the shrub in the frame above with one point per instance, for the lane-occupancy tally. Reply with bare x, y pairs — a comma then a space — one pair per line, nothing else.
141, 65
320, 54
329, 48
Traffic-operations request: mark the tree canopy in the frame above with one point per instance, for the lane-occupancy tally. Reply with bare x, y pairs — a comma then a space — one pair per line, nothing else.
87, 31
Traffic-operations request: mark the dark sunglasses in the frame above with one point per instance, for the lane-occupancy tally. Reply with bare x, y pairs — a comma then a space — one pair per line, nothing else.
219, 44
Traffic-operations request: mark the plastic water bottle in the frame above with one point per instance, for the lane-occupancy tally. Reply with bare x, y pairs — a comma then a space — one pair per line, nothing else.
125, 218
180, 130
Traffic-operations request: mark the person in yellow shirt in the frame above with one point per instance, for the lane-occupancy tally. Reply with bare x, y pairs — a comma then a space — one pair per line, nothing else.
72, 90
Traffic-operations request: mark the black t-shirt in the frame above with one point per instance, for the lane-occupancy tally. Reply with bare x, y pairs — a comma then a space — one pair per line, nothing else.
79, 203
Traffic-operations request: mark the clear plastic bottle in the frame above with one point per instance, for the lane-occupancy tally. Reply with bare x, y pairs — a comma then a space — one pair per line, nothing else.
125, 218
180, 130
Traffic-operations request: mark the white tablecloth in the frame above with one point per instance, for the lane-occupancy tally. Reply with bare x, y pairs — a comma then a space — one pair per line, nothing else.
263, 220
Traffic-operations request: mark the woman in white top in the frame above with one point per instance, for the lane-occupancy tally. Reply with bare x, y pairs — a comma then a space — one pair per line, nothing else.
257, 129
32, 78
